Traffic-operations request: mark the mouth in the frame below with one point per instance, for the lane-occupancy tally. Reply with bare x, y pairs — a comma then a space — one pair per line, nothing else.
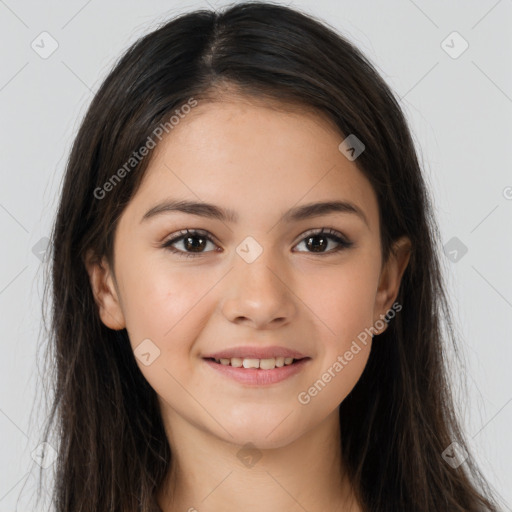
257, 372
254, 363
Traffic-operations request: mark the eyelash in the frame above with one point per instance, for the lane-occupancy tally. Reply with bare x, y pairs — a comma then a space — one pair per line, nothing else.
192, 233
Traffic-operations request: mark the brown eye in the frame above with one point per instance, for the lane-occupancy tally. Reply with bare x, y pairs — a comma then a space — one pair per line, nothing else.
318, 241
193, 243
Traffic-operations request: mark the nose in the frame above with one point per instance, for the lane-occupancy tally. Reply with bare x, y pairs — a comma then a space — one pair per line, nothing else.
259, 294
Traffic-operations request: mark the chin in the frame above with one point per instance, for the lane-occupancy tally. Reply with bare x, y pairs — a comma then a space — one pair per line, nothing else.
263, 435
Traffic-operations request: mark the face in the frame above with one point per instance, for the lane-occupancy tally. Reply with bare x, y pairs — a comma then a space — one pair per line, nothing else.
254, 280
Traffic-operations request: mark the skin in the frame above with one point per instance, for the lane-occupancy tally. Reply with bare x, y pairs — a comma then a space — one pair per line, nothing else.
260, 162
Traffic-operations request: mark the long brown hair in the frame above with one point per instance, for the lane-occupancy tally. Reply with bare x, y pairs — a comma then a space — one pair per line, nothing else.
112, 451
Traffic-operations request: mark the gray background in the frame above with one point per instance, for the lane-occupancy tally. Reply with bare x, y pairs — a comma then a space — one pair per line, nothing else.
459, 110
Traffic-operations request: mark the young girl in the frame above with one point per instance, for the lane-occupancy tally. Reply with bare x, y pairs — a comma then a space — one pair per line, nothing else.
247, 294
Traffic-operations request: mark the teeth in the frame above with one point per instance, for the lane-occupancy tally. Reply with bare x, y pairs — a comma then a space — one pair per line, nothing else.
251, 363
264, 364
268, 364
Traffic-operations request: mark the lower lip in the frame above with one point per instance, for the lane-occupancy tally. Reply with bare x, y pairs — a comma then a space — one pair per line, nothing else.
257, 376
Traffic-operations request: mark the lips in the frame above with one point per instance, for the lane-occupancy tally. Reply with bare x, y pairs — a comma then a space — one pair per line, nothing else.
250, 375
256, 365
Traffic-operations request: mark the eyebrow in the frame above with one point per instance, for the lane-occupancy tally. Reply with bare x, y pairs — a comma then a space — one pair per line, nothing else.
212, 211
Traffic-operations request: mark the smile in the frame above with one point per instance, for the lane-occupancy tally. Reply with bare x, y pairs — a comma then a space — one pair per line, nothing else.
257, 372
264, 364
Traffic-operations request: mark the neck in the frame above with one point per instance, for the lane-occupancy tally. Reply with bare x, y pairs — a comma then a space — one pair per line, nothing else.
210, 475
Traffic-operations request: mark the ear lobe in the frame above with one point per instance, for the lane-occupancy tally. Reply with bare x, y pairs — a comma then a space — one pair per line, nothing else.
391, 276
104, 291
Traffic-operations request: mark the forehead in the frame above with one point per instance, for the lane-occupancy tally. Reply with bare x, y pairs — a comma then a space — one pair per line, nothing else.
254, 159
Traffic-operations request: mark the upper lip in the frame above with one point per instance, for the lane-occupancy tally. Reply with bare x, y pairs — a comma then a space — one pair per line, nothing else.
245, 352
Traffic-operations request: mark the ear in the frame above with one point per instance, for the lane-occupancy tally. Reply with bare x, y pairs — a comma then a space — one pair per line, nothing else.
391, 277
104, 291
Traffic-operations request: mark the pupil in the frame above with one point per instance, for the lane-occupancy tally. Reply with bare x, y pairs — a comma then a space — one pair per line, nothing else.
322, 244
194, 246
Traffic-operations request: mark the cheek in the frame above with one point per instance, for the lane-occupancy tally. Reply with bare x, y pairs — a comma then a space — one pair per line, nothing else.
162, 304
343, 300
165, 306
344, 344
